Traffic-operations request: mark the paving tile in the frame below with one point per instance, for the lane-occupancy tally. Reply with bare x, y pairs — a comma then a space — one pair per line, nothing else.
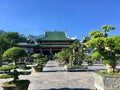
54, 77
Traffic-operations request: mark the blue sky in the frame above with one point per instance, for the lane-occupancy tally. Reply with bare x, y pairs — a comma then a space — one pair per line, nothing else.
76, 17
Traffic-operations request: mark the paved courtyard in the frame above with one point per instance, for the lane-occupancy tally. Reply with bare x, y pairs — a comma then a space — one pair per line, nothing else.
54, 77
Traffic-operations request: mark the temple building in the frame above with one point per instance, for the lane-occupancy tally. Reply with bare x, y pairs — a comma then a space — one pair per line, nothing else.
48, 44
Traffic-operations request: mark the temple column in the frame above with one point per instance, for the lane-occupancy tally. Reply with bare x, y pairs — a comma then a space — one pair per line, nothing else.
50, 51
51, 54
41, 51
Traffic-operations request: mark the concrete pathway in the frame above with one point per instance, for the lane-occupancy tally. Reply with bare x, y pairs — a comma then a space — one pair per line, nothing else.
54, 77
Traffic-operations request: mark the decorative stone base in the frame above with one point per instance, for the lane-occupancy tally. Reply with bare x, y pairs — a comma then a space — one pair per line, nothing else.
106, 82
76, 68
37, 69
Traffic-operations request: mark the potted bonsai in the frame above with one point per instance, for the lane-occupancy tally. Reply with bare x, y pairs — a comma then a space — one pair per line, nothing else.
15, 53
73, 57
107, 49
40, 60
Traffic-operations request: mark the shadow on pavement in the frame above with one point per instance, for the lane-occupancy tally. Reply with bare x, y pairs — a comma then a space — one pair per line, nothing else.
70, 89
54, 71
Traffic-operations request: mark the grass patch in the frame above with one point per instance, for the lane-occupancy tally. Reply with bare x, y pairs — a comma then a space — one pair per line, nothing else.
105, 73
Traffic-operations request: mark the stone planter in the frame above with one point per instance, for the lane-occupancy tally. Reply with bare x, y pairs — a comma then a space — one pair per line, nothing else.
75, 68
15, 87
106, 82
37, 69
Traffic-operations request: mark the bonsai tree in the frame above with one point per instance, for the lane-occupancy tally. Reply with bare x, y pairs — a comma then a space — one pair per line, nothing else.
106, 48
72, 55
15, 53
63, 56
41, 60
36, 56
76, 53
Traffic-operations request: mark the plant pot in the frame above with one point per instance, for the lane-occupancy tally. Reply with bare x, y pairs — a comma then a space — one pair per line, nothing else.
75, 68
14, 87
23, 86
37, 69
106, 82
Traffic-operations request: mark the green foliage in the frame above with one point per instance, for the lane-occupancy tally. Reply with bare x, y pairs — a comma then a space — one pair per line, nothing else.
10, 35
14, 53
41, 59
8, 40
7, 68
107, 28
105, 73
106, 48
72, 55
114, 43
95, 34
36, 55
5, 76
20, 63
95, 55
110, 61
24, 68
97, 43
63, 55
75, 44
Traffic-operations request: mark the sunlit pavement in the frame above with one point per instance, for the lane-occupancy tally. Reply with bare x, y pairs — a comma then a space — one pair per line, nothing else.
54, 77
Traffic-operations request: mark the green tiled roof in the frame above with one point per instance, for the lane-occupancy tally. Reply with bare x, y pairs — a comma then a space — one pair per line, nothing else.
55, 35
54, 45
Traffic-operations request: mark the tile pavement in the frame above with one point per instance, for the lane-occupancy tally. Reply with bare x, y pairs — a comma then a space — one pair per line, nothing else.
54, 77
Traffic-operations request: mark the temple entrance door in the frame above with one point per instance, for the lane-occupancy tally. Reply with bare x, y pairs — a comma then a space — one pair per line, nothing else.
46, 52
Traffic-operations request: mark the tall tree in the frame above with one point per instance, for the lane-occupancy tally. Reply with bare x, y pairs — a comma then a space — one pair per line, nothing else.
106, 48
7, 40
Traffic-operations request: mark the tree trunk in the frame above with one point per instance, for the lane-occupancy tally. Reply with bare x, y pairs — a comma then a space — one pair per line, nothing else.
15, 75
14, 62
110, 68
